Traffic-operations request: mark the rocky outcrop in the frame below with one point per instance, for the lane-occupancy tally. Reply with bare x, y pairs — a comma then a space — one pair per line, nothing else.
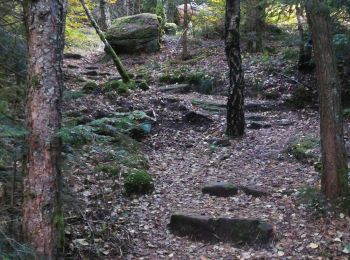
135, 34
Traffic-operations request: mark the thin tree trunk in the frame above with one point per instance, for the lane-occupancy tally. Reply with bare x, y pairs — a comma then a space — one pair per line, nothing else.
184, 37
117, 62
42, 216
255, 21
334, 160
105, 15
235, 103
305, 52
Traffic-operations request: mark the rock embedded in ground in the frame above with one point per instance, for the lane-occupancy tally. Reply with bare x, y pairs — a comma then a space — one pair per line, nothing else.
255, 192
73, 56
134, 34
258, 125
220, 189
197, 118
233, 230
91, 73
176, 89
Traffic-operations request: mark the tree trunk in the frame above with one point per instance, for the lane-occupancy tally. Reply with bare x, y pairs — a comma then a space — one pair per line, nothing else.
255, 20
305, 49
235, 103
334, 160
42, 217
184, 37
116, 60
105, 15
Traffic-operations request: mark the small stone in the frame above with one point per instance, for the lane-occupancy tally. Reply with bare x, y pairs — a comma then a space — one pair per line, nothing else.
220, 189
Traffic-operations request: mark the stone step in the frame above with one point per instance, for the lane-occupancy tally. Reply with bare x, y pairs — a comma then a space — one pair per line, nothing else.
227, 189
222, 229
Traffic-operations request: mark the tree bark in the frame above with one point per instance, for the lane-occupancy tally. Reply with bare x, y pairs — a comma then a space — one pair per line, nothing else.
105, 15
255, 20
117, 62
334, 161
184, 38
42, 216
235, 103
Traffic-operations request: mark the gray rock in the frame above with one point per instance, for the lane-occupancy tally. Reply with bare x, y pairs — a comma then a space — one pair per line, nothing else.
255, 192
73, 56
220, 142
220, 189
234, 230
197, 118
258, 125
134, 34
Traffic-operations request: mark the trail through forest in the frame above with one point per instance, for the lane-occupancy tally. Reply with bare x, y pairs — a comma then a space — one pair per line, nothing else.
187, 149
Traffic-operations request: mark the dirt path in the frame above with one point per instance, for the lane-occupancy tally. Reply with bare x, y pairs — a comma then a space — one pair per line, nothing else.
182, 161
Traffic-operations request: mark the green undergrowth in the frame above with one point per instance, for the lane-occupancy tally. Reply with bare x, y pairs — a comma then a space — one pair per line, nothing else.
319, 206
138, 182
303, 148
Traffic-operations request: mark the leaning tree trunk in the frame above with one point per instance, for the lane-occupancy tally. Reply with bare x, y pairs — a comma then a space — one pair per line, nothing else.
235, 103
105, 15
42, 217
255, 16
334, 160
117, 62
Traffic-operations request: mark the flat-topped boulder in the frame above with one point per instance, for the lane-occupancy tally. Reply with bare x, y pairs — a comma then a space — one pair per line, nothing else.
233, 230
135, 34
220, 189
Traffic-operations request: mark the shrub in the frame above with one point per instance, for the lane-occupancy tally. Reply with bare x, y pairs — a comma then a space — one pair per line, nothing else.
110, 168
138, 182
90, 87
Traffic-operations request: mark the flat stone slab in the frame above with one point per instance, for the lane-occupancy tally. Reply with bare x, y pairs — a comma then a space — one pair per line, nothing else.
220, 189
233, 230
197, 118
255, 125
176, 89
255, 192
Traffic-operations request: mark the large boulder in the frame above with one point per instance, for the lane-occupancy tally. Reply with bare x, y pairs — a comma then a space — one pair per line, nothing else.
134, 34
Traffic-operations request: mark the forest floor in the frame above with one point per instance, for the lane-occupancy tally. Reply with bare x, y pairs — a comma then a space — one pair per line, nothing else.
182, 160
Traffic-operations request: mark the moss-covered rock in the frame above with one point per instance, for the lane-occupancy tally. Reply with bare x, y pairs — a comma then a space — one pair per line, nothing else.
170, 28
136, 33
301, 97
303, 148
143, 85
138, 182
90, 87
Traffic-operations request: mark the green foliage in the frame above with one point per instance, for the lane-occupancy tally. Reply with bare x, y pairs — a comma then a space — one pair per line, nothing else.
90, 87
301, 148
143, 85
346, 113
77, 135
119, 86
138, 182
314, 200
170, 28
71, 95
209, 22
109, 168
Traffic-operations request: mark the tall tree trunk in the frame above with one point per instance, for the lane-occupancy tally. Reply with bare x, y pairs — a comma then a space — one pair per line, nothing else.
116, 60
334, 160
255, 21
305, 49
235, 103
105, 15
185, 33
42, 216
